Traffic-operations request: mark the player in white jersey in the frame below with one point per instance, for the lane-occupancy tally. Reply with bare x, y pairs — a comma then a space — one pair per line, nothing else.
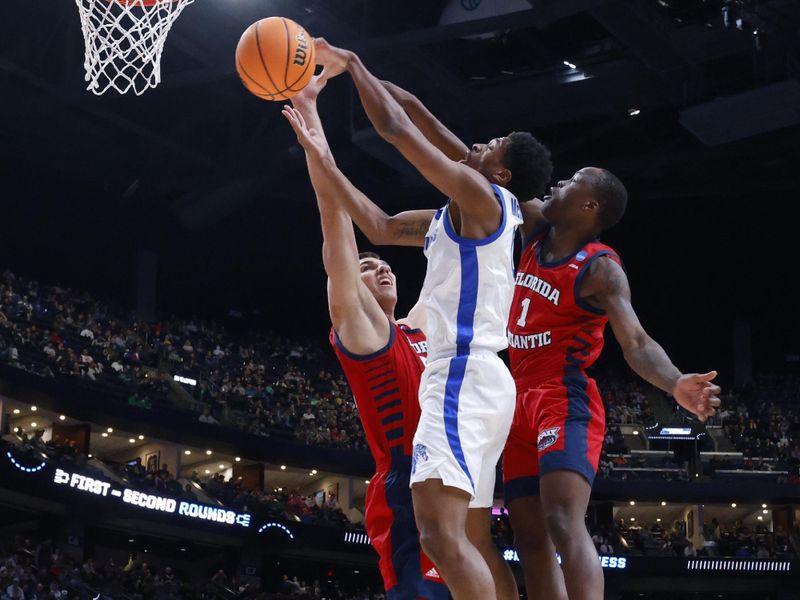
467, 395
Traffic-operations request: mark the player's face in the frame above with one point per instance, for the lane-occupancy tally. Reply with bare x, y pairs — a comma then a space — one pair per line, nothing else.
378, 277
568, 197
487, 158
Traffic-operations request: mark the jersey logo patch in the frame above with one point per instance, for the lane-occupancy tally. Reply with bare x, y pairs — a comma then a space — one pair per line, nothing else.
420, 454
547, 438
580, 256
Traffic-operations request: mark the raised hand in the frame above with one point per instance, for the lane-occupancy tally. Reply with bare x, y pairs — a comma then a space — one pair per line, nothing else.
334, 59
309, 94
309, 138
697, 394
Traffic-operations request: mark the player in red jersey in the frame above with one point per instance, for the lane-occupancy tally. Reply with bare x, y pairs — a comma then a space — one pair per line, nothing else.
383, 362
568, 286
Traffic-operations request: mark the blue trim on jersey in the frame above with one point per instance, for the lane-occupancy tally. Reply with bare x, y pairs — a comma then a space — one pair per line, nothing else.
541, 229
462, 241
520, 487
363, 357
465, 317
574, 456
579, 280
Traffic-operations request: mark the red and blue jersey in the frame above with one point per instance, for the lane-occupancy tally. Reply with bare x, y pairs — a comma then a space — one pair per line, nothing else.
550, 326
385, 385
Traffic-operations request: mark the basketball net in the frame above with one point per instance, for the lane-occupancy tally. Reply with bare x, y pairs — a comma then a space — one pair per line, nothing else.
124, 40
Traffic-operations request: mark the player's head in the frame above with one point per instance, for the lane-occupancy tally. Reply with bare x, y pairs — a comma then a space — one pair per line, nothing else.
518, 162
378, 277
594, 197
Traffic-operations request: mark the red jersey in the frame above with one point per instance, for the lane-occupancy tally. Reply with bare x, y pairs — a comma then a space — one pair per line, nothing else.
550, 327
385, 385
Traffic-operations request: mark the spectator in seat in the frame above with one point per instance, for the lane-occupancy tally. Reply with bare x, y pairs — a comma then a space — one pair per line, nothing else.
206, 417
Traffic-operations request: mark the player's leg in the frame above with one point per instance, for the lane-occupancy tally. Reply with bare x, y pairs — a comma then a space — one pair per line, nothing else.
568, 458
480, 534
564, 500
441, 514
543, 577
537, 554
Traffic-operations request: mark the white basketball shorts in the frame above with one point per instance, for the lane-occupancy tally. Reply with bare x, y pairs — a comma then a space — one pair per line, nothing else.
467, 405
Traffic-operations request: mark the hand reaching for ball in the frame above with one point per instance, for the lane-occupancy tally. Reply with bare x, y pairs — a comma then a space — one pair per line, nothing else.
312, 141
335, 60
308, 97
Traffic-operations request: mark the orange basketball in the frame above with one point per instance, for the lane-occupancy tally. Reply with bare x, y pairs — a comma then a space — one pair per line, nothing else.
275, 58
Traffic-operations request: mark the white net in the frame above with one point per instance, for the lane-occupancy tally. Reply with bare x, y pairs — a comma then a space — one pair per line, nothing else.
124, 40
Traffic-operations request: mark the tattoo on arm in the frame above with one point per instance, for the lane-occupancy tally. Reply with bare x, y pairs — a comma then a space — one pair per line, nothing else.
413, 229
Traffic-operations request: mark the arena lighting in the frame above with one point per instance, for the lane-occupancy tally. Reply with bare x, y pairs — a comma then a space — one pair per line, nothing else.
633, 519
283, 528
22, 467
131, 540
110, 430
141, 437
658, 520
733, 504
132, 440
209, 452
34, 423
283, 467
16, 429
15, 411
760, 518
222, 466
366, 481
663, 503
763, 506
747, 564
186, 380
62, 418
634, 112
187, 452
633, 503
183, 549
89, 455
569, 64
310, 474
635, 432
34, 409
765, 511
104, 434
238, 459
208, 472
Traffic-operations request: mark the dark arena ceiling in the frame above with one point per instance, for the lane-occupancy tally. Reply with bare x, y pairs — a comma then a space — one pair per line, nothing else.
694, 104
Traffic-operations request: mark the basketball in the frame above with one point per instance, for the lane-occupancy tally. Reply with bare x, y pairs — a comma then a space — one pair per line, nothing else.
275, 58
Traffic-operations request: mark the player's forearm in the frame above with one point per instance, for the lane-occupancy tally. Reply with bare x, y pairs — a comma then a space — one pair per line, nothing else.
431, 127
648, 359
384, 112
334, 189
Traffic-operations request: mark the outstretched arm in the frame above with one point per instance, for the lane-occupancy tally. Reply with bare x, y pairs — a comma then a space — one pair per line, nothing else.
606, 286
357, 317
463, 185
431, 127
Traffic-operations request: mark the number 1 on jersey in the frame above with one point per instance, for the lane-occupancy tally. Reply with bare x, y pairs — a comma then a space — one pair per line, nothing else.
526, 303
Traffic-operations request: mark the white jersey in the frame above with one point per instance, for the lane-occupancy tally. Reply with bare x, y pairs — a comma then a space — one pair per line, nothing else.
469, 284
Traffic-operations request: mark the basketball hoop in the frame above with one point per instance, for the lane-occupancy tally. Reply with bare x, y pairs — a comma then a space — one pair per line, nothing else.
124, 40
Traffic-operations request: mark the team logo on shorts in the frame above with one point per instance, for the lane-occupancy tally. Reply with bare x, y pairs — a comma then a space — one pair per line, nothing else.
547, 438
420, 453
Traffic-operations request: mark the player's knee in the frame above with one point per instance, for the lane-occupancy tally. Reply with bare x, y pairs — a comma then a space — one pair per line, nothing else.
441, 544
561, 524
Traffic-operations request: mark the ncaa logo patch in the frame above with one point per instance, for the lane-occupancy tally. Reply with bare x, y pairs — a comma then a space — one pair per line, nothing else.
420, 454
547, 438
580, 256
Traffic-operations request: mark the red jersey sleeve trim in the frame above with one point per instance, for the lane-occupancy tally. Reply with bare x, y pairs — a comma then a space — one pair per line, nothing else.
364, 357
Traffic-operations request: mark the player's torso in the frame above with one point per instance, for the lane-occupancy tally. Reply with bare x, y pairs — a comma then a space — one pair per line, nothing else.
385, 386
468, 284
550, 326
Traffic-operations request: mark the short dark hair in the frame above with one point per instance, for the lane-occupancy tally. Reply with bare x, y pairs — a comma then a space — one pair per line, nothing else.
363, 255
612, 197
530, 165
